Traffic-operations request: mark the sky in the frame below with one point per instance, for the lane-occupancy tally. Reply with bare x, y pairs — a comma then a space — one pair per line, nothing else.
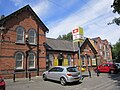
62, 16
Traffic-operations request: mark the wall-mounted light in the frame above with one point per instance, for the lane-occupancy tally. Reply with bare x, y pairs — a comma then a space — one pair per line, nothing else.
42, 51
26, 37
1, 32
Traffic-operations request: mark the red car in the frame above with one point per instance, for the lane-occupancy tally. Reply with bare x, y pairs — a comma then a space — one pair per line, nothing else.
2, 83
107, 68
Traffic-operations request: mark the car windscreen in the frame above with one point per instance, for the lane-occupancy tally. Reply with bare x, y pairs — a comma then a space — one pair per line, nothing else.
72, 69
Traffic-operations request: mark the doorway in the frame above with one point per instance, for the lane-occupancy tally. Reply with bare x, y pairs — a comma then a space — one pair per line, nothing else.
60, 59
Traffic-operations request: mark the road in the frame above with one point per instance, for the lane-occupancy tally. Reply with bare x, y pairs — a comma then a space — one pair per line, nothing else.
103, 82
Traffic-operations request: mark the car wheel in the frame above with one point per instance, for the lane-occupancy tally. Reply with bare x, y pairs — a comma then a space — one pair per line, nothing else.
63, 81
111, 71
44, 77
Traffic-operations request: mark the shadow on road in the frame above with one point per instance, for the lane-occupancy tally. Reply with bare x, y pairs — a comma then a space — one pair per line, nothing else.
115, 77
68, 84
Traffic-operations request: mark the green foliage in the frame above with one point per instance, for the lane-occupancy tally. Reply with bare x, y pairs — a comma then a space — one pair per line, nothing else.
116, 9
116, 6
116, 51
66, 37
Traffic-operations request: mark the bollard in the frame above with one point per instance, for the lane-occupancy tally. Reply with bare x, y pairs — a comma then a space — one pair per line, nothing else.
97, 73
89, 72
14, 77
29, 76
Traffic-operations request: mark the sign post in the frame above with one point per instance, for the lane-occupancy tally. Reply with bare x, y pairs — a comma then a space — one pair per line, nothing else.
79, 38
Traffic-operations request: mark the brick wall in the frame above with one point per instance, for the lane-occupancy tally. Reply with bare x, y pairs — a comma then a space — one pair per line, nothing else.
8, 46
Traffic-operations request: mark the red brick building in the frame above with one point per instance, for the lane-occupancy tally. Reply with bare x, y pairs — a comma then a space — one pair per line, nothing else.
25, 49
22, 44
62, 52
103, 48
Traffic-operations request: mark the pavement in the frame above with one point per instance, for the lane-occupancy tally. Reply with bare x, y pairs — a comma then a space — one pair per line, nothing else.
94, 83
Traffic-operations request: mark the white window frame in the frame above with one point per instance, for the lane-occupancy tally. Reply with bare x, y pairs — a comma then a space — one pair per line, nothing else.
19, 60
83, 61
31, 60
33, 37
20, 34
88, 61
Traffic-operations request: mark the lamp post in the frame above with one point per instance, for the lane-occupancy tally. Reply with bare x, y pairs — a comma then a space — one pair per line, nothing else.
80, 60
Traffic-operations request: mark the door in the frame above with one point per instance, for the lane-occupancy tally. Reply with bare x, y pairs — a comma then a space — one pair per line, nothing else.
60, 62
104, 68
60, 59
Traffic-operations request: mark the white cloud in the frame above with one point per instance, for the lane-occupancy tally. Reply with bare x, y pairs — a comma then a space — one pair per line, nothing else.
17, 2
94, 17
41, 8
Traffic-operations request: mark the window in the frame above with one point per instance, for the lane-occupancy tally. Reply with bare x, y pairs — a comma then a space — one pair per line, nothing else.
100, 46
60, 69
19, 60
20, 34
72, 69
32, 36
31, 60
54, 69
51, 58
88, 61
83, 60
95, 43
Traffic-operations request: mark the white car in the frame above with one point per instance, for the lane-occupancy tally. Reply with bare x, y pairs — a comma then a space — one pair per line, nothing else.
63, 74
118, 65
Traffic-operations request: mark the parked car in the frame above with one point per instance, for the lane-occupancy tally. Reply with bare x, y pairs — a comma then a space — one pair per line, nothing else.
2, 83
63, 74
107, 68
118, 66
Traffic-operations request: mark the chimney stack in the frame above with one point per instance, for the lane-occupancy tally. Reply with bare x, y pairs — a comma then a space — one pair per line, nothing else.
2, 16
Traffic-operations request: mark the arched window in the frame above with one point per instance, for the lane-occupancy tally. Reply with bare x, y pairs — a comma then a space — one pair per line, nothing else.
31, 60
19, 60
32, 36
20, 34
51, 59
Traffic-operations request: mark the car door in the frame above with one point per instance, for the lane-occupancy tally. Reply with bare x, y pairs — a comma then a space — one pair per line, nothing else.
103, 68
59, 73
51, 73
106, 68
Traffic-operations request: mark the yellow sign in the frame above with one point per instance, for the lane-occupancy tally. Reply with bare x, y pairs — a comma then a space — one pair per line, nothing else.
55, 62
65, 62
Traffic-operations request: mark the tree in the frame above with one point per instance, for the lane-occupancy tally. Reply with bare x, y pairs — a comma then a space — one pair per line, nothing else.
116, 9
116, 51
66, 37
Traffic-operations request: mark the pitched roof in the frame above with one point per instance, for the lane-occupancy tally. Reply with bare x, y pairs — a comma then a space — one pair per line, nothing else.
90, 43
61, 45
27, 7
